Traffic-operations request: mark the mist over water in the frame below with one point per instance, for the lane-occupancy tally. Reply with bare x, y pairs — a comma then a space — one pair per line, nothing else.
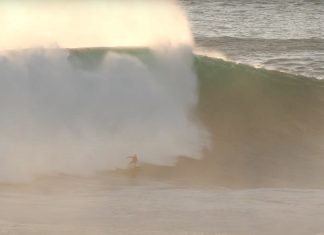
108, 23
58, 116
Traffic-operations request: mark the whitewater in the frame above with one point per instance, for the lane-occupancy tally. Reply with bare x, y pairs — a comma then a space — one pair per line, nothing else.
224, 146
62, 114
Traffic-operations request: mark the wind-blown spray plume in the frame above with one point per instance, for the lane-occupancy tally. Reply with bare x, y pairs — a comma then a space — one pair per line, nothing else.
74, 24
61, 115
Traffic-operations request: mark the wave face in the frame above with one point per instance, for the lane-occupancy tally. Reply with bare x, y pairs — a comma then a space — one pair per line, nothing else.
267, 127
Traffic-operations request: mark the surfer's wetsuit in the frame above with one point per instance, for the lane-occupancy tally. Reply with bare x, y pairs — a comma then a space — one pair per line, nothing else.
134, 160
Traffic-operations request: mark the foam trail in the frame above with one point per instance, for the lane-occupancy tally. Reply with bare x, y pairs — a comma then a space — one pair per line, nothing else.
60, 117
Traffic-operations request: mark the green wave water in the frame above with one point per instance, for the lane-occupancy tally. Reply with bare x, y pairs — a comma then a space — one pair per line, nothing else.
267, 126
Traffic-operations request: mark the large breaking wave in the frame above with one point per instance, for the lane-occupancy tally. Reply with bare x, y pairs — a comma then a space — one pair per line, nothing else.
78, 111
82, 111
58, 117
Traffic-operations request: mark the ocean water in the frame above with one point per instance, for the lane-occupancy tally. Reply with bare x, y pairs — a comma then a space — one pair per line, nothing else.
119, 206
281, 35
225, 147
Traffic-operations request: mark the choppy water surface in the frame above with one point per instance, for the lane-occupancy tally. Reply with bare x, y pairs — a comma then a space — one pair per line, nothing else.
281, 35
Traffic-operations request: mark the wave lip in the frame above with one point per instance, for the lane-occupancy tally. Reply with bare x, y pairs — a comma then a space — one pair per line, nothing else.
297, 56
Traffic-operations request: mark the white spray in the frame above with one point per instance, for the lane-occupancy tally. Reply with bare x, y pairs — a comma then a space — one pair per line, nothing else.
58, 118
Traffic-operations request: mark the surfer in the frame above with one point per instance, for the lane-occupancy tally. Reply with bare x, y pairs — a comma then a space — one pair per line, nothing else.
134, 160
